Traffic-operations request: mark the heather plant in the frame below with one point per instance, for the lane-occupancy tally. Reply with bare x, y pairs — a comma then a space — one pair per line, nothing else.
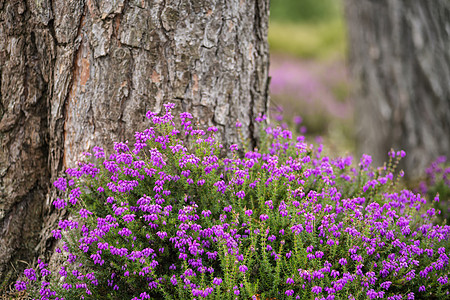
436, 186
166, 219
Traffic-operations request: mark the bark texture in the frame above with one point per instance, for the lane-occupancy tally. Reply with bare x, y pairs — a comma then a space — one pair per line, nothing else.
81, 73
400, 56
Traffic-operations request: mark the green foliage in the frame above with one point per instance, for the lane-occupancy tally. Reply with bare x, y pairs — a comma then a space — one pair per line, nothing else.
303, 10
325, 40
307, 29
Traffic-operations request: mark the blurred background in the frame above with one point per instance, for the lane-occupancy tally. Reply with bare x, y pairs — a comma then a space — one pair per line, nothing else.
310, 85
401, 100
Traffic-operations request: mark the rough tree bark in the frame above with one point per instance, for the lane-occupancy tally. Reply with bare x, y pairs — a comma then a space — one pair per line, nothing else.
400, 56
79, 73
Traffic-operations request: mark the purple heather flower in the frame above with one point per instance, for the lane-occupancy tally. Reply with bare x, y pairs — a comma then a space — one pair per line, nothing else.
128, 218
206, 213
443, 279
372, 294
264, 217
243, 268
234, 147
334, 273
260, 118
57, 234
386, 284
173, 280
30, 274
290, 280
316, 289
124, 232
366, 160
319, 254
240, 194
401, 153
61, 184
272, 238
217, 281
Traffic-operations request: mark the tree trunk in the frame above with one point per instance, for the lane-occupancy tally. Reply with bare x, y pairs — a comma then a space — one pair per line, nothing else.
82, 73
400, 57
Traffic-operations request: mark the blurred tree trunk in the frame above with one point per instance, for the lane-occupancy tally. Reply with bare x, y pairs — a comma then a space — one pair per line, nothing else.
80, 73
400, 58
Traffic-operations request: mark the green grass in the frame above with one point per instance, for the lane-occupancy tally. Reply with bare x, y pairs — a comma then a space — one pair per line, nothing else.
325, 40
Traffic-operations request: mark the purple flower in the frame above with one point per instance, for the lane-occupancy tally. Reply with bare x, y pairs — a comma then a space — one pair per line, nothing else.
20, 286
372, 294
243, 268
206, 213
173, 280
316, 289
240, 194
401, 153
343, 261
60, 184
443, 279
234, 147
290, 280
128, 218
386, 284
260, 118
269, 203
334, 273
263, 217
289, 292
56, 234
366, 160
124, 232
217, 281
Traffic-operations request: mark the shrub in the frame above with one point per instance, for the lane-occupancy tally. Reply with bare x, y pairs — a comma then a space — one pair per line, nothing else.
436, 186
167, 220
